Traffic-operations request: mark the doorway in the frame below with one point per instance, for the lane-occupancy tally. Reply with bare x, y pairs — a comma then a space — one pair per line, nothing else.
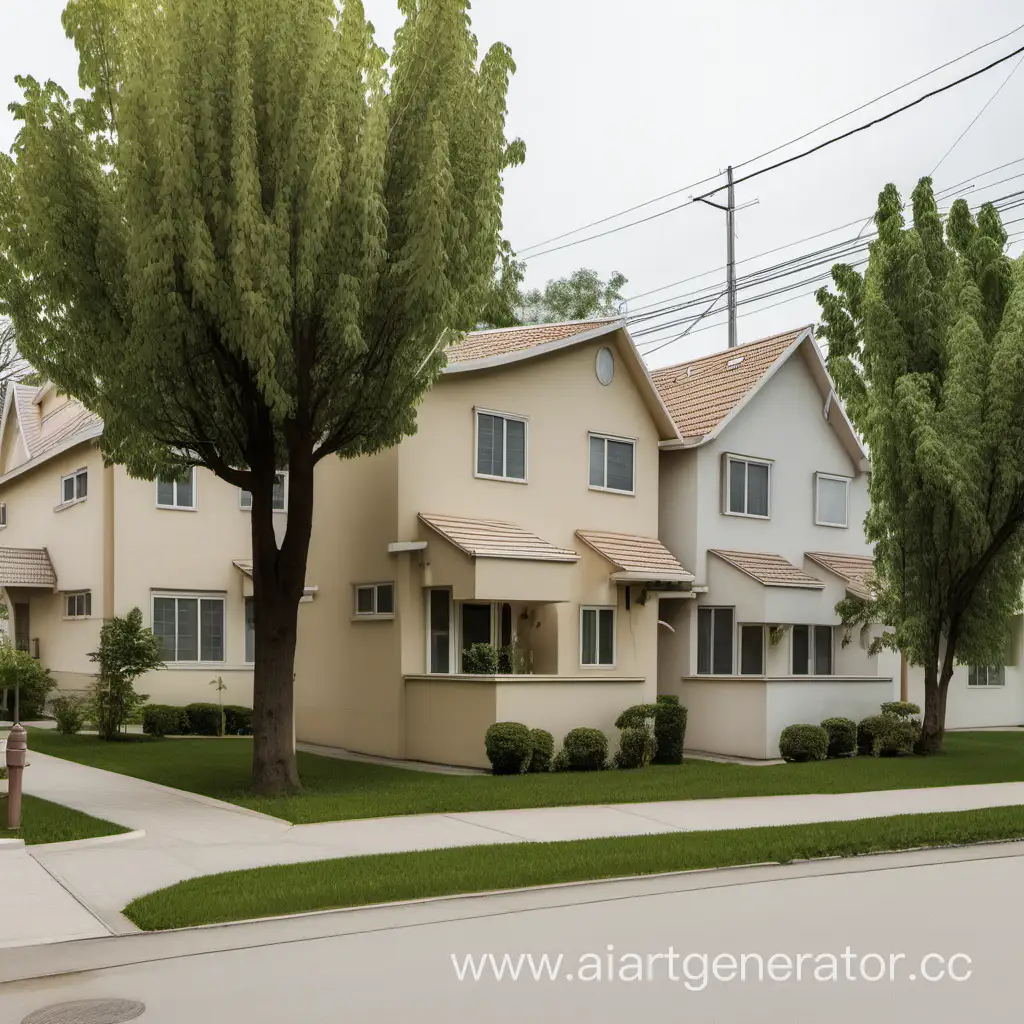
21, 626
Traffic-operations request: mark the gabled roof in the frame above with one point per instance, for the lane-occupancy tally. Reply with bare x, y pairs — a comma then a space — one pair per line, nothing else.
769, 570
857, 570
503, 341
26, 567
636, 557
706, 394
491, 538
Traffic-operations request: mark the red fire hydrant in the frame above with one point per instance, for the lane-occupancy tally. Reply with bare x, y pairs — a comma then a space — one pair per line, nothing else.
17, 752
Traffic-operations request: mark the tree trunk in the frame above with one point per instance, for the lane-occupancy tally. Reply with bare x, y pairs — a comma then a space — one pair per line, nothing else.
932, 726
279, 576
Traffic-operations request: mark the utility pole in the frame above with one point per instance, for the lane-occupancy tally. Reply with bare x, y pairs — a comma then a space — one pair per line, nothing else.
730, 266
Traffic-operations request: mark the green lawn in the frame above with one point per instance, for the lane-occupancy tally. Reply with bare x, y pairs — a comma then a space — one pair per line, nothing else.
357, 881
45, 822
336, 790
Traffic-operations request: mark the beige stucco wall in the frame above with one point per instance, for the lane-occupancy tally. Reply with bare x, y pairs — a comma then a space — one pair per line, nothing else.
445, 720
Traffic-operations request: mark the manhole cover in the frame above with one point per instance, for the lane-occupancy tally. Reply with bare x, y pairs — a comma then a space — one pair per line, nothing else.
88, 1011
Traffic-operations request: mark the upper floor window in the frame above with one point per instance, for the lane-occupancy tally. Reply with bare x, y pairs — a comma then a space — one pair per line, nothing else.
500, 446
374, 600
831, 500
191, 627
612, 463
747, 487
986, 675
78, 606
3, 514
597, 636
177, 492
714, 641
280, 498
74, 487
812, 650
250, 629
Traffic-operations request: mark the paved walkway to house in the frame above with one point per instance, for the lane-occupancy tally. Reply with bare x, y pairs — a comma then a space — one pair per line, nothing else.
189, 835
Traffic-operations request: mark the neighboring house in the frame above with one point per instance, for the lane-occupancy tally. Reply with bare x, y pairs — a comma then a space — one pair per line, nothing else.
524, 514
81, 542
763, 498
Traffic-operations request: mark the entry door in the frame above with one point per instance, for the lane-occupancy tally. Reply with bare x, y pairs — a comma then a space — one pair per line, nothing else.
21, 626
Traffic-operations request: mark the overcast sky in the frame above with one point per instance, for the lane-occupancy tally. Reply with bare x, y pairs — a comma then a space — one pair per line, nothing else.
619, 103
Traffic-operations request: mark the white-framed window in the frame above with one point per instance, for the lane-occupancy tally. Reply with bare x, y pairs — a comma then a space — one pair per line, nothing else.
374, 600
597, 636
500, 446
3, 514
752, 649
831, 500
190, 626
813, 648
177, 492
986, 675
747, 487
74, 487
79, 605
612, 463
250, 629
280, 499
715, 632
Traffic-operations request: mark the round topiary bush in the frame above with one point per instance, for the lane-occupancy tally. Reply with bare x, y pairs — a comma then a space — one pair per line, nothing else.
900, 708
542, 744
803, 743
637, 746
669, 730
867, 729
509, 747
583, 750
896, 737
637, 716
842, 736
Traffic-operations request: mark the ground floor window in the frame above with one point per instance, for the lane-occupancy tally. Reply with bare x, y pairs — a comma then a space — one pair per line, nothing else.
439, 630
597, 636
250, 629
78, 606
191, 628
752, 650
714, 641
986, 675
812, 650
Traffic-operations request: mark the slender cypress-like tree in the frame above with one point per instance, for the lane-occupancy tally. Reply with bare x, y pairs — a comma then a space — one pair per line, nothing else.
247, 247
927, 350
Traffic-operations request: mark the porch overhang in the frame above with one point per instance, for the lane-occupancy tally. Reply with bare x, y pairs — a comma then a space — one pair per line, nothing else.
27, 567
244, 567
639, 560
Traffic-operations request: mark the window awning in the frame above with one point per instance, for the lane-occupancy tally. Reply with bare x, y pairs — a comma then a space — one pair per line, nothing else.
27, 567
769, 570
857, 571
492, 538
244, 566
636, 558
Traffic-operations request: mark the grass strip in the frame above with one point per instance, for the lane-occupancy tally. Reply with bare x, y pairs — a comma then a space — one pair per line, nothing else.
335, 790
383, 878
46, 822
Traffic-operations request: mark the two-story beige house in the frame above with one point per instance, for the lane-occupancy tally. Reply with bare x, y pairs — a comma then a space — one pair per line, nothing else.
523, 514
81, 541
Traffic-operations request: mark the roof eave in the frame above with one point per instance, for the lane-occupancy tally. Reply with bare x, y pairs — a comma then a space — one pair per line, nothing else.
652, 576
40, 460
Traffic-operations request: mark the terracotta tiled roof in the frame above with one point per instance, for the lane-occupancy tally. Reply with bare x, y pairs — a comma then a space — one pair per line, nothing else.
28, 415
700, 394
490, 538
26, 567
638, 556
857, 570
770, 570
504, 340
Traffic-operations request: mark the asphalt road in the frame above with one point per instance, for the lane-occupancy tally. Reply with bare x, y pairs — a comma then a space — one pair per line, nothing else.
680, 948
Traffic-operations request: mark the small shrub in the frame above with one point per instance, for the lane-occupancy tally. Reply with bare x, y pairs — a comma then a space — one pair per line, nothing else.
842, 736
637, 716
480, 660
164, 720
637, 747
900, 708
867, 729
237, 720
20, 671
583, 750
203, 719
68, 710
897, 736
509, 747
669, 730
803, 743
543, 744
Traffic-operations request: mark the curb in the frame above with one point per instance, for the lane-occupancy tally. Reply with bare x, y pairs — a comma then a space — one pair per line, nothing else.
85, 844
11, 844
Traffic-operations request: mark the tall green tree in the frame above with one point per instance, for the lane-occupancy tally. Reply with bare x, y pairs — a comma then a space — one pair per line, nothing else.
927, 351
580, 296
248, 247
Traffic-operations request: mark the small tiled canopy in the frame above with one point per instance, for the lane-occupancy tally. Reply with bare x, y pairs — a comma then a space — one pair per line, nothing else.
769, 570
636, 557
26, 567
491, 538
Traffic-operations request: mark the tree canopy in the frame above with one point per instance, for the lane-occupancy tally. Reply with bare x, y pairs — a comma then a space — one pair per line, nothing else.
580, 296
248, 246
926, 349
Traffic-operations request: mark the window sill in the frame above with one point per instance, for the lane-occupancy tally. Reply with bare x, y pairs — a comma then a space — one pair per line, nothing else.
75, 618
833, 526
68, 504
747, 515
501, 479
585, 668
178, 508
193, 666
372, 618
612, 490
276, 511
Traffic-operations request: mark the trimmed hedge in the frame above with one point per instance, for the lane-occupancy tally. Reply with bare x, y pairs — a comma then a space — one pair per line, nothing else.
164, 720
867, 729
637, 747
543, 744
900, 708
583, 750
203, 719
669, 730
803, 743
509, 747
897, 736
237, 720
637, 716
842, 736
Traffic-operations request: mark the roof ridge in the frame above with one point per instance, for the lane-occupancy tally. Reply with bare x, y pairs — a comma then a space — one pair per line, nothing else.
794, 332
542, 324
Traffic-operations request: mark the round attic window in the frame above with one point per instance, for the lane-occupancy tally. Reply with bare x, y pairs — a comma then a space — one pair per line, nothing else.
605, 365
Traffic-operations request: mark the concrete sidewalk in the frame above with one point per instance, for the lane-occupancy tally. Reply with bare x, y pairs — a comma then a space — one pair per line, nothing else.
189, 835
